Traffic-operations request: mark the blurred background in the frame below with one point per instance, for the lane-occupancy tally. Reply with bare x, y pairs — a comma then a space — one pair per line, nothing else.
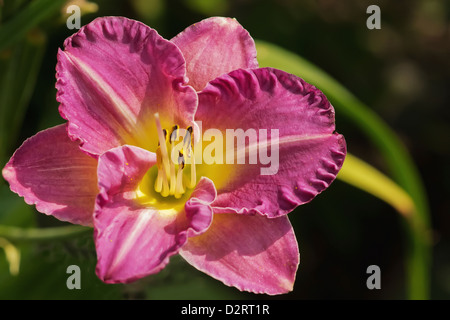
402, 72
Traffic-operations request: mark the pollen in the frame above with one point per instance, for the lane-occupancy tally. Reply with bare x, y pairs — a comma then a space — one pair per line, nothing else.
171, 159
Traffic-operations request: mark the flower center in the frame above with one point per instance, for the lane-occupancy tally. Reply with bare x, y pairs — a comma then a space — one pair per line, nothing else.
173, 156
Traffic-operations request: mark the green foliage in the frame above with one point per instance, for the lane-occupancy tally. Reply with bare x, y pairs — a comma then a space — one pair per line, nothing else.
15, 29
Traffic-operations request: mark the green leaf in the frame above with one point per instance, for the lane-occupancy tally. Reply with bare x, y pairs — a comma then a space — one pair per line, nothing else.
15, 211
43, 272
397, 157
208, 7
15, 29
365, 177
19, 73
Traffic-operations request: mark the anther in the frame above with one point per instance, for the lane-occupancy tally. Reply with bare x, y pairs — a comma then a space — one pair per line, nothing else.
187, 141
179, 189
174, 133
180, 159
165, 136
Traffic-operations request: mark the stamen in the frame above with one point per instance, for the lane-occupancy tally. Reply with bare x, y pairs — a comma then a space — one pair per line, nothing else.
161, 183
162, 142
170, 179
179, 190
165, 136
159, 180
187, 141
193, 180
189, 146
174, 133
173, 137
165, 189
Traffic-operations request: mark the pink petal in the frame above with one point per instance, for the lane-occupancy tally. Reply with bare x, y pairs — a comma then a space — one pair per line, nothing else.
133, 238
215, 46
198, 209
251, 253
112, 76
310, 152
50, 171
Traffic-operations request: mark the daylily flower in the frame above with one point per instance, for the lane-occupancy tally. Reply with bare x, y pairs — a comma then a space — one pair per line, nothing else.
127, 95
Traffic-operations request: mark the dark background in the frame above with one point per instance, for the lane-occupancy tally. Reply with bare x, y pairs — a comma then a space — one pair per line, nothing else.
401, 72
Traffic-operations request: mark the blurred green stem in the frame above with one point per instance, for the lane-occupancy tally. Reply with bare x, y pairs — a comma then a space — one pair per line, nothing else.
401, 165
16, 234
12, 256
365, 177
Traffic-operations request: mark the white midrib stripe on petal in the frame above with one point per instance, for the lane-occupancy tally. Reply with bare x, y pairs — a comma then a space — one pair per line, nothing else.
254, 147
139, 226
120, 105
